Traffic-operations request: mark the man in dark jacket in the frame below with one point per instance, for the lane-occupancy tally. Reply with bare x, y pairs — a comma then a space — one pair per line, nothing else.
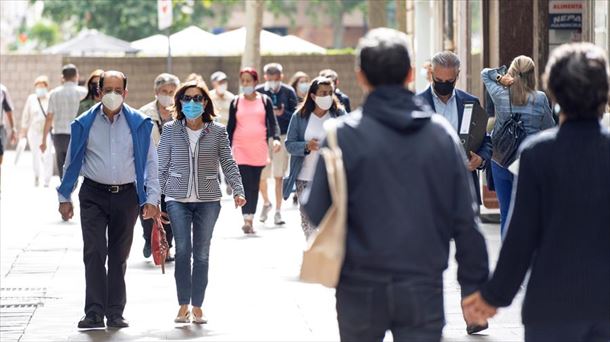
449, 102
343, 98
409, 193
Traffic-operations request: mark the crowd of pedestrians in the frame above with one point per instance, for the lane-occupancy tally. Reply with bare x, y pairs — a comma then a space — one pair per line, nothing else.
412, 188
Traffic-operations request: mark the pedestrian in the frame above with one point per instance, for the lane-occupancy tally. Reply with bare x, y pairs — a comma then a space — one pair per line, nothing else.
343, 99
192, 149
449, 102
32, 126
515, 92
284, 102
6, 107
63, 108
300, 84
221, 97
93, 93
559, 224
252, 124
305, 134
111, 147
159, 111
409, 194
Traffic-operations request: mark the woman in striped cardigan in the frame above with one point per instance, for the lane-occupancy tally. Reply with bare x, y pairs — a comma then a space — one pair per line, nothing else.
190, 151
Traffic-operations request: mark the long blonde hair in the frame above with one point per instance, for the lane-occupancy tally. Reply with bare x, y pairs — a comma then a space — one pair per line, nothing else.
523, 71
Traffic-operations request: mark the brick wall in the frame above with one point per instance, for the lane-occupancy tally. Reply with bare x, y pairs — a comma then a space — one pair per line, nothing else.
19, 71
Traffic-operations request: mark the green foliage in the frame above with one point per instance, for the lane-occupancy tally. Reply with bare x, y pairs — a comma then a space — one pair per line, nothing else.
343, 51
45, 33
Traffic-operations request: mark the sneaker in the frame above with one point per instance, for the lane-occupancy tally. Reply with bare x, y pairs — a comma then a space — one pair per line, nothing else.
147, 252
36, 182
265, 213
295, 200
277, 219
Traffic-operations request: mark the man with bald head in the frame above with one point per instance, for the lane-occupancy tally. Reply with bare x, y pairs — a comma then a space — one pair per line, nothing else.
110, 146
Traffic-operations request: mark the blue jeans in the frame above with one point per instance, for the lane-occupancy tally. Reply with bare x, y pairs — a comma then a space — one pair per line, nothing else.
503, 182
202, 216
368, 305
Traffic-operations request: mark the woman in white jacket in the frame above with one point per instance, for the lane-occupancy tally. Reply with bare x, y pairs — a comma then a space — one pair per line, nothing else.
32, 123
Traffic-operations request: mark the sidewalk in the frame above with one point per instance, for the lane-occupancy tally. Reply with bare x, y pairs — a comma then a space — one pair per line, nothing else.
253, 292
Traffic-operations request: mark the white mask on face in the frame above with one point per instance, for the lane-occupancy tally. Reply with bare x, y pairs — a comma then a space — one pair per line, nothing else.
324, 102
273, 85
41, 92
165, 100
248, 90
112, 101
221, 89
303, 87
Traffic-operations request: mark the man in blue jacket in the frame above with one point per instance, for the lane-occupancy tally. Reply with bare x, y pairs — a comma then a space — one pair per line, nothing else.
409, 194
110, 146
449, 102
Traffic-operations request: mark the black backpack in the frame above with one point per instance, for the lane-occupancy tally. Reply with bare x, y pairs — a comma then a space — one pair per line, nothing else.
507, 139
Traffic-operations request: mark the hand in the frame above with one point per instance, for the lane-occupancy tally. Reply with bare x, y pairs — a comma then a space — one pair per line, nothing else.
150, 211
313, 145
277, 145
279, 111
240, 201
507, 80
13, 140
66, 210
163, 217
476, 310
43, 146
474, 162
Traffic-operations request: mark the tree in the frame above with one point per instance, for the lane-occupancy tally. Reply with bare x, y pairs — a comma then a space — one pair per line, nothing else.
401, 15
254, 25
45, 33
336, 9
377, 15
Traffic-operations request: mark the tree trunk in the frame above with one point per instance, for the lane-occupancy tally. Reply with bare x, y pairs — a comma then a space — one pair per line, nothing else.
338, 30
254, 23
377, 14
401, 15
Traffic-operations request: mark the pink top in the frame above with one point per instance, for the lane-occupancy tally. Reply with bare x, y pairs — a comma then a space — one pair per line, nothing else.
250, 137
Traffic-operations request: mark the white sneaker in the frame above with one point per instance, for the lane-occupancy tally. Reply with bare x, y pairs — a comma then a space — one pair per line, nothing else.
277, 219
265, 213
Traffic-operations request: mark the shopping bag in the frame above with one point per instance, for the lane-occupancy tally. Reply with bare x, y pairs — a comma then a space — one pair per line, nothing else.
159, 245
20, 148
325, 252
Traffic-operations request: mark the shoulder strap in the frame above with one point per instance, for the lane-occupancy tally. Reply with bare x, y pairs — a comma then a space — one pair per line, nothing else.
42, 109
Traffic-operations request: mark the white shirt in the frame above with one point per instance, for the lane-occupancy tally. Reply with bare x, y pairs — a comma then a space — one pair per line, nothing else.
193, 139
63, 104
32, 116
314, 130
448, 110
221, 105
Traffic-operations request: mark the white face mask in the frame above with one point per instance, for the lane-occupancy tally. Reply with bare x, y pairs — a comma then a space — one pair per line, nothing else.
303, 87
112, 101
324, 102
273, 85
165, 100
41, 92
248, 90
221, 89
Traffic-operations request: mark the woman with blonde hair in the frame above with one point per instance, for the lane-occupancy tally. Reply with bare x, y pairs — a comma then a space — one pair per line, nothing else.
514, 92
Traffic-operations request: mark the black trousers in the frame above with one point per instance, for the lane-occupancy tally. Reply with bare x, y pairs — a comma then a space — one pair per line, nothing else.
61, 142
584, 331
103, 211
148, 224
250, 177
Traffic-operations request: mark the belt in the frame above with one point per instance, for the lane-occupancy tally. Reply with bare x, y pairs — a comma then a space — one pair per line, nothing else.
115, 189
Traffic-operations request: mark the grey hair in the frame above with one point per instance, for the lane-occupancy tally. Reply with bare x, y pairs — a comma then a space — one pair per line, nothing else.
446, 59
164, 79
273, 69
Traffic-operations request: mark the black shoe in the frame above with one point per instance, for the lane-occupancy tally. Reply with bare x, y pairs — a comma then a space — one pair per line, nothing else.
169, 258
473, 329
117, 321
91, 321
147, 252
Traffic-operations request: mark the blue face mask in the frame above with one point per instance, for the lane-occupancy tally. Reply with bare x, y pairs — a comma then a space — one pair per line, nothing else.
192, 110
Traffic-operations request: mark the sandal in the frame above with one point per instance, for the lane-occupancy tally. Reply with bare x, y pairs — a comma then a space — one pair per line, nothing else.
199, 319
186, 318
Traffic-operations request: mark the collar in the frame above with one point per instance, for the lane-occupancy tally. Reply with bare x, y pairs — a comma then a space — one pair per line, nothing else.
116, 116
70, 83
438, 98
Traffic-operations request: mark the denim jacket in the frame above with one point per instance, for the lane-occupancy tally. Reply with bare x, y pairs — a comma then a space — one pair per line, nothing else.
535, 114
295, 145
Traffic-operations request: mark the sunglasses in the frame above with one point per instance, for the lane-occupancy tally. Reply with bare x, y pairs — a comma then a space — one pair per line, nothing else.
196, 98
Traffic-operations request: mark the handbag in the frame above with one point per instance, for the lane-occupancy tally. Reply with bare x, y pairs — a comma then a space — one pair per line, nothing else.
325, 252
507, 139
159, 245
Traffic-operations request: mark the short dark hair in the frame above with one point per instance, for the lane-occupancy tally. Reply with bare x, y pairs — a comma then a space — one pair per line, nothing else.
309, 104
208, 110
330, 73
69, 71
112, 73
576, 77
383, 56
273, 69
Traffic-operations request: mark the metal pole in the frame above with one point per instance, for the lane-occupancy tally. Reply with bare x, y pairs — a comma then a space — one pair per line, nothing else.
169, 52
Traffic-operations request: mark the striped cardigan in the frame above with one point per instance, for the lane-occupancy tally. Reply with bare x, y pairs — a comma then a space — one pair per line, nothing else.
212, 151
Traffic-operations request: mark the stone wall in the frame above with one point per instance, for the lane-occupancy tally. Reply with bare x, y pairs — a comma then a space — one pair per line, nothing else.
18, 72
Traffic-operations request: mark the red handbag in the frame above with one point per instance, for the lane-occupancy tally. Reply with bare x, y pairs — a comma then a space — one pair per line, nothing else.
159, 244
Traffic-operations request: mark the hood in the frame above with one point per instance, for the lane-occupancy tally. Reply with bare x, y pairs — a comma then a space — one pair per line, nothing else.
396, 107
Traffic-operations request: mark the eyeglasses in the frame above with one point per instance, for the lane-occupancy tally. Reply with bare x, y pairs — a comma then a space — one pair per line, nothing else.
196, 98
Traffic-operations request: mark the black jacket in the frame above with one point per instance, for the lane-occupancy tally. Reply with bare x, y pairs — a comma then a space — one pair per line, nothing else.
284, 97
559, 228
273, 130
344, 99
409, 192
